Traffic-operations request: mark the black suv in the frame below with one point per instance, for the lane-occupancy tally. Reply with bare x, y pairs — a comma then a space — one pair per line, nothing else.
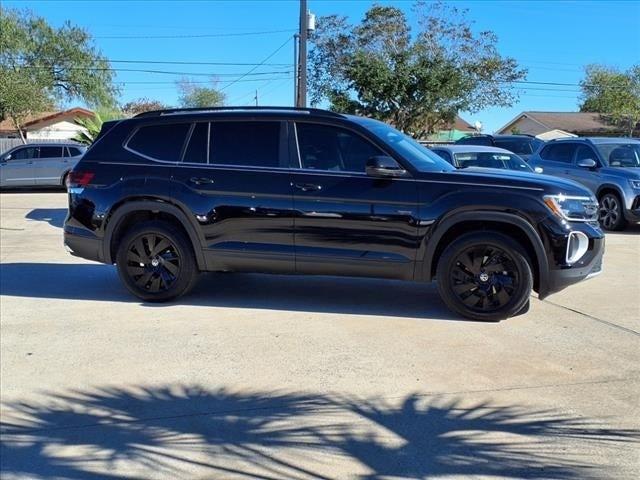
523, 145
168, 194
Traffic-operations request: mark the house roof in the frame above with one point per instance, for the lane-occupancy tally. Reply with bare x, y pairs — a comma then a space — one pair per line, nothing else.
463, 125
574, 122
39, 120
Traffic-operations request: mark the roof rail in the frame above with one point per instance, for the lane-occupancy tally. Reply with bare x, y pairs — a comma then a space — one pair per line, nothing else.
177, 111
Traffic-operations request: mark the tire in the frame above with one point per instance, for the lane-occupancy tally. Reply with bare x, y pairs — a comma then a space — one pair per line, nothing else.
64, 180
611, 213
485, 276
155, 261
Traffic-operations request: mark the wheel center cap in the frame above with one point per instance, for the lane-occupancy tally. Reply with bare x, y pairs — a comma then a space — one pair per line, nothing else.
155, 262
484, 277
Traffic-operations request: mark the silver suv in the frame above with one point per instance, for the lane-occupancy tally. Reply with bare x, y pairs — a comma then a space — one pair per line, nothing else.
39, 164
610, 167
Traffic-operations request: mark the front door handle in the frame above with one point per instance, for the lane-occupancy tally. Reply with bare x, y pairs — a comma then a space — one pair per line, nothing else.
201, 180
308, 187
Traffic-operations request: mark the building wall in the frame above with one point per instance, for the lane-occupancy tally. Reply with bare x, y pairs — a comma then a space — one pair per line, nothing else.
525, 125
57, 131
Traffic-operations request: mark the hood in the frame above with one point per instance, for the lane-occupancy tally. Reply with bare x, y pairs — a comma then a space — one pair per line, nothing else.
511, 178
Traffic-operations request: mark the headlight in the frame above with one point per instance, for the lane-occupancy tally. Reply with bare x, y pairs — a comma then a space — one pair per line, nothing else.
573, 208
635, 184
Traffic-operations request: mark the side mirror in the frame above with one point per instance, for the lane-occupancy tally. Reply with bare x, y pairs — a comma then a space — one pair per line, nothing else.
383, 166
587, 163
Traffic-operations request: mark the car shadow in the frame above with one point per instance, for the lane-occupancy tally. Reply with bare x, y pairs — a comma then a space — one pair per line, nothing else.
53, 216
359, 296
171, 430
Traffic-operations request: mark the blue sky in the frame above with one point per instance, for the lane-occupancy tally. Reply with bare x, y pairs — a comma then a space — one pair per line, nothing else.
553, 40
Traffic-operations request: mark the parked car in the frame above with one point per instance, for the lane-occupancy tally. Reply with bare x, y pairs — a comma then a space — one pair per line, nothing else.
167, 194
465, 156
609, 167
523, 145
39, 164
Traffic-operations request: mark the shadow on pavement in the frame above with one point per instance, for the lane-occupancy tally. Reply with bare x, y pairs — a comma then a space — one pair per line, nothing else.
273, 292
176, 429
53, 216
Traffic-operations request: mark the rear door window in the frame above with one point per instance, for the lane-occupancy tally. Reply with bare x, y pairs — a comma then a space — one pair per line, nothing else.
559, 152
51, 152
160, 142
198, 148
251, 144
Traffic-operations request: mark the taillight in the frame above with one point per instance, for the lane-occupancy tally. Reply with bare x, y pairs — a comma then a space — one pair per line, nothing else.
81, 179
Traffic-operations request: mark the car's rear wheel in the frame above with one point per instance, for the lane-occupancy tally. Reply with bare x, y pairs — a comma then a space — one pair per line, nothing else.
156, 262
611, 214
485, 276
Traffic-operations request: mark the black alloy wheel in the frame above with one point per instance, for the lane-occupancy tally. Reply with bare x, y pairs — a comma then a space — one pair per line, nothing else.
611, 215
156, 262
153, 262
485, 276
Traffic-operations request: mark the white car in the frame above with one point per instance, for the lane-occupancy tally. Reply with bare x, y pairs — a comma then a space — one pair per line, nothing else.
39, 164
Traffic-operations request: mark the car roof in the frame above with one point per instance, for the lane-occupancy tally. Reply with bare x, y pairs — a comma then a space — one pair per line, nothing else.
51, 144
471, 149
597, 140
501, 135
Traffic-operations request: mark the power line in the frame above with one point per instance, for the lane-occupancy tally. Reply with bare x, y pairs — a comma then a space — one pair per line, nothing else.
200, 82
204, 35
167, 72
261, 63
175, 62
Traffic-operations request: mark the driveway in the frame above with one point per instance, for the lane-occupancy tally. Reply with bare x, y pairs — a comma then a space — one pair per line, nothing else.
284, 377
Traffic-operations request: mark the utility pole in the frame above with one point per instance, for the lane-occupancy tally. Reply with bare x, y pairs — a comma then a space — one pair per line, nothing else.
296, 69
302, 63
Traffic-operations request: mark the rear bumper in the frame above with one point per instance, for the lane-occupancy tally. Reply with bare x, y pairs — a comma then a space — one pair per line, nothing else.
82, 243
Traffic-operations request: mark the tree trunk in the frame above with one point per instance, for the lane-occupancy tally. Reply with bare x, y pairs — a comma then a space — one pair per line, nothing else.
16, 124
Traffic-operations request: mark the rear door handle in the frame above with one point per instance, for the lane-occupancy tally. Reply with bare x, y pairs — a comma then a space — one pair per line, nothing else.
308, 187
201, 180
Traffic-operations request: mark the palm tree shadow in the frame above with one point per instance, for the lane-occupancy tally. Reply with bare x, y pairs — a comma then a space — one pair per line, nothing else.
172, 431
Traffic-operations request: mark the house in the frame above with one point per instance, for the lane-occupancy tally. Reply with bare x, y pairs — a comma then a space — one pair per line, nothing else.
584, 124
451, 133
47, 125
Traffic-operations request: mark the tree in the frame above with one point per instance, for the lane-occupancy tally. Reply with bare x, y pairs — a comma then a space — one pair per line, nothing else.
416, 82
142, 105
93, 125
614, 94
191, 95
41, 65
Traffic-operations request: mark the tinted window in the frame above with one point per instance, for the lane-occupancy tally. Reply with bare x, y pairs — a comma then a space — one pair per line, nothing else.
25, 153
485, 141
492, 160
245, 143
74, 152
162, 142
444, 154
323, 147
519, 146
584, 152
198, 147
50, 152
621, 154
559, 152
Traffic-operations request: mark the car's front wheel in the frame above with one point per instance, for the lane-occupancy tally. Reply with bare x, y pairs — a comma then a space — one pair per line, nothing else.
611, 214
156, 262
485, 276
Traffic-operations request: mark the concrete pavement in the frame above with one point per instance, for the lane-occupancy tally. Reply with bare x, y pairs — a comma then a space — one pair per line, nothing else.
258, 376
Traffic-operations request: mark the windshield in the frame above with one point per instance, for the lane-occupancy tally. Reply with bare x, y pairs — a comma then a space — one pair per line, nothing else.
624, 155
492, 160
422, 159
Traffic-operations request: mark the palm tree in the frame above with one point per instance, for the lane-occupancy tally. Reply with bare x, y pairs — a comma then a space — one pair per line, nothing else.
93, 125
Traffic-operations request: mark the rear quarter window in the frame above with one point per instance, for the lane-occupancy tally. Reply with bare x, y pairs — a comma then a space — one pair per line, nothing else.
160, 142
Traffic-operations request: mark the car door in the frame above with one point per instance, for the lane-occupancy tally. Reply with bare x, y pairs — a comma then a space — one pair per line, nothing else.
557, 159
17, 170
49, 167
346, 222
589, 177
235, 178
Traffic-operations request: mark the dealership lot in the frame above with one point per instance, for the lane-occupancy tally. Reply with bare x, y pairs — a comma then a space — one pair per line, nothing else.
257, 376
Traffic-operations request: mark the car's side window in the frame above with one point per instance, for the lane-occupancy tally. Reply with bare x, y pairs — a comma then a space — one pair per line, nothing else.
584, 152
559, 152
25, 153
255, 144
444, 154
51, 152
198, 147
73, 152
160, 142
325, 147
484, 141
